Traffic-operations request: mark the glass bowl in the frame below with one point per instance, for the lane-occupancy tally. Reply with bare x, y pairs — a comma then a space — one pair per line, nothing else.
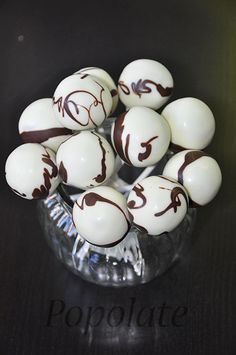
137, 259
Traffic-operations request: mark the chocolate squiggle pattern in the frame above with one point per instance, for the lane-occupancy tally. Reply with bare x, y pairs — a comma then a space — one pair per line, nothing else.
124, 87
175, 201
101, 177
64, 105
138, 189
44, 189
148, 149
113, 92
117, 138
63, 172
141, 87
91, 198
43, 135
189, 158
84, 76
118, 142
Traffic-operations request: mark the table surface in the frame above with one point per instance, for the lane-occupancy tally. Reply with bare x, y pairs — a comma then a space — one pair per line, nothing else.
41, 43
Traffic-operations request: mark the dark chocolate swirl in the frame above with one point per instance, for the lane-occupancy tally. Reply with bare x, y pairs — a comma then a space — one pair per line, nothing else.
175, 201
141, 87
64, 105
102, 176
43, 190
63, 172
124, 87
189, 158
138, 189
117, 139
148, 149
90, 199
43, 135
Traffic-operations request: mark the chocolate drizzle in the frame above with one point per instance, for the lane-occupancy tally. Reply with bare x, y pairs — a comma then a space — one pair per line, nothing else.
91, 198
113, 92
189, 158
101, 177
63, 172
168, 179
19, 193
117, 138
43, 191
84, 76
127, 148
124, 87
65, 106
148, 149
175, 201
138, 189
43, 135
141, 87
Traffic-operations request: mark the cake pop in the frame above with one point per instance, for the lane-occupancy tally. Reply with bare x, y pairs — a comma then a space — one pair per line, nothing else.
85, 160
81, 102
101, 216
191, 122
31, 171
140, 136
145, 82
197, 172
157, 204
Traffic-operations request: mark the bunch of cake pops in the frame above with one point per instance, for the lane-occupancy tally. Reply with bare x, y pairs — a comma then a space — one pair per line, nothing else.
64, 143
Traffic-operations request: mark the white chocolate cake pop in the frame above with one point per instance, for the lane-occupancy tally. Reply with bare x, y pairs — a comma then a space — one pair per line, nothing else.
197, 172
101, 216
82, 102
191, 122
145, 82
140, 136
31, 171
157, 204
104, 77
85, 160
38, 124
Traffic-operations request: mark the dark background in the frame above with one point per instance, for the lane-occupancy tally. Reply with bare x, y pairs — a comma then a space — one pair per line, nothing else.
42, 42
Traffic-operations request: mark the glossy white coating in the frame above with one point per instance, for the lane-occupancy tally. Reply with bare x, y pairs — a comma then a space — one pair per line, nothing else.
140, 136
101, 216
104, 77
157, 204
145, 82
85, 160
82, 102
31, 171
199, 173
191, 122
38, 124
